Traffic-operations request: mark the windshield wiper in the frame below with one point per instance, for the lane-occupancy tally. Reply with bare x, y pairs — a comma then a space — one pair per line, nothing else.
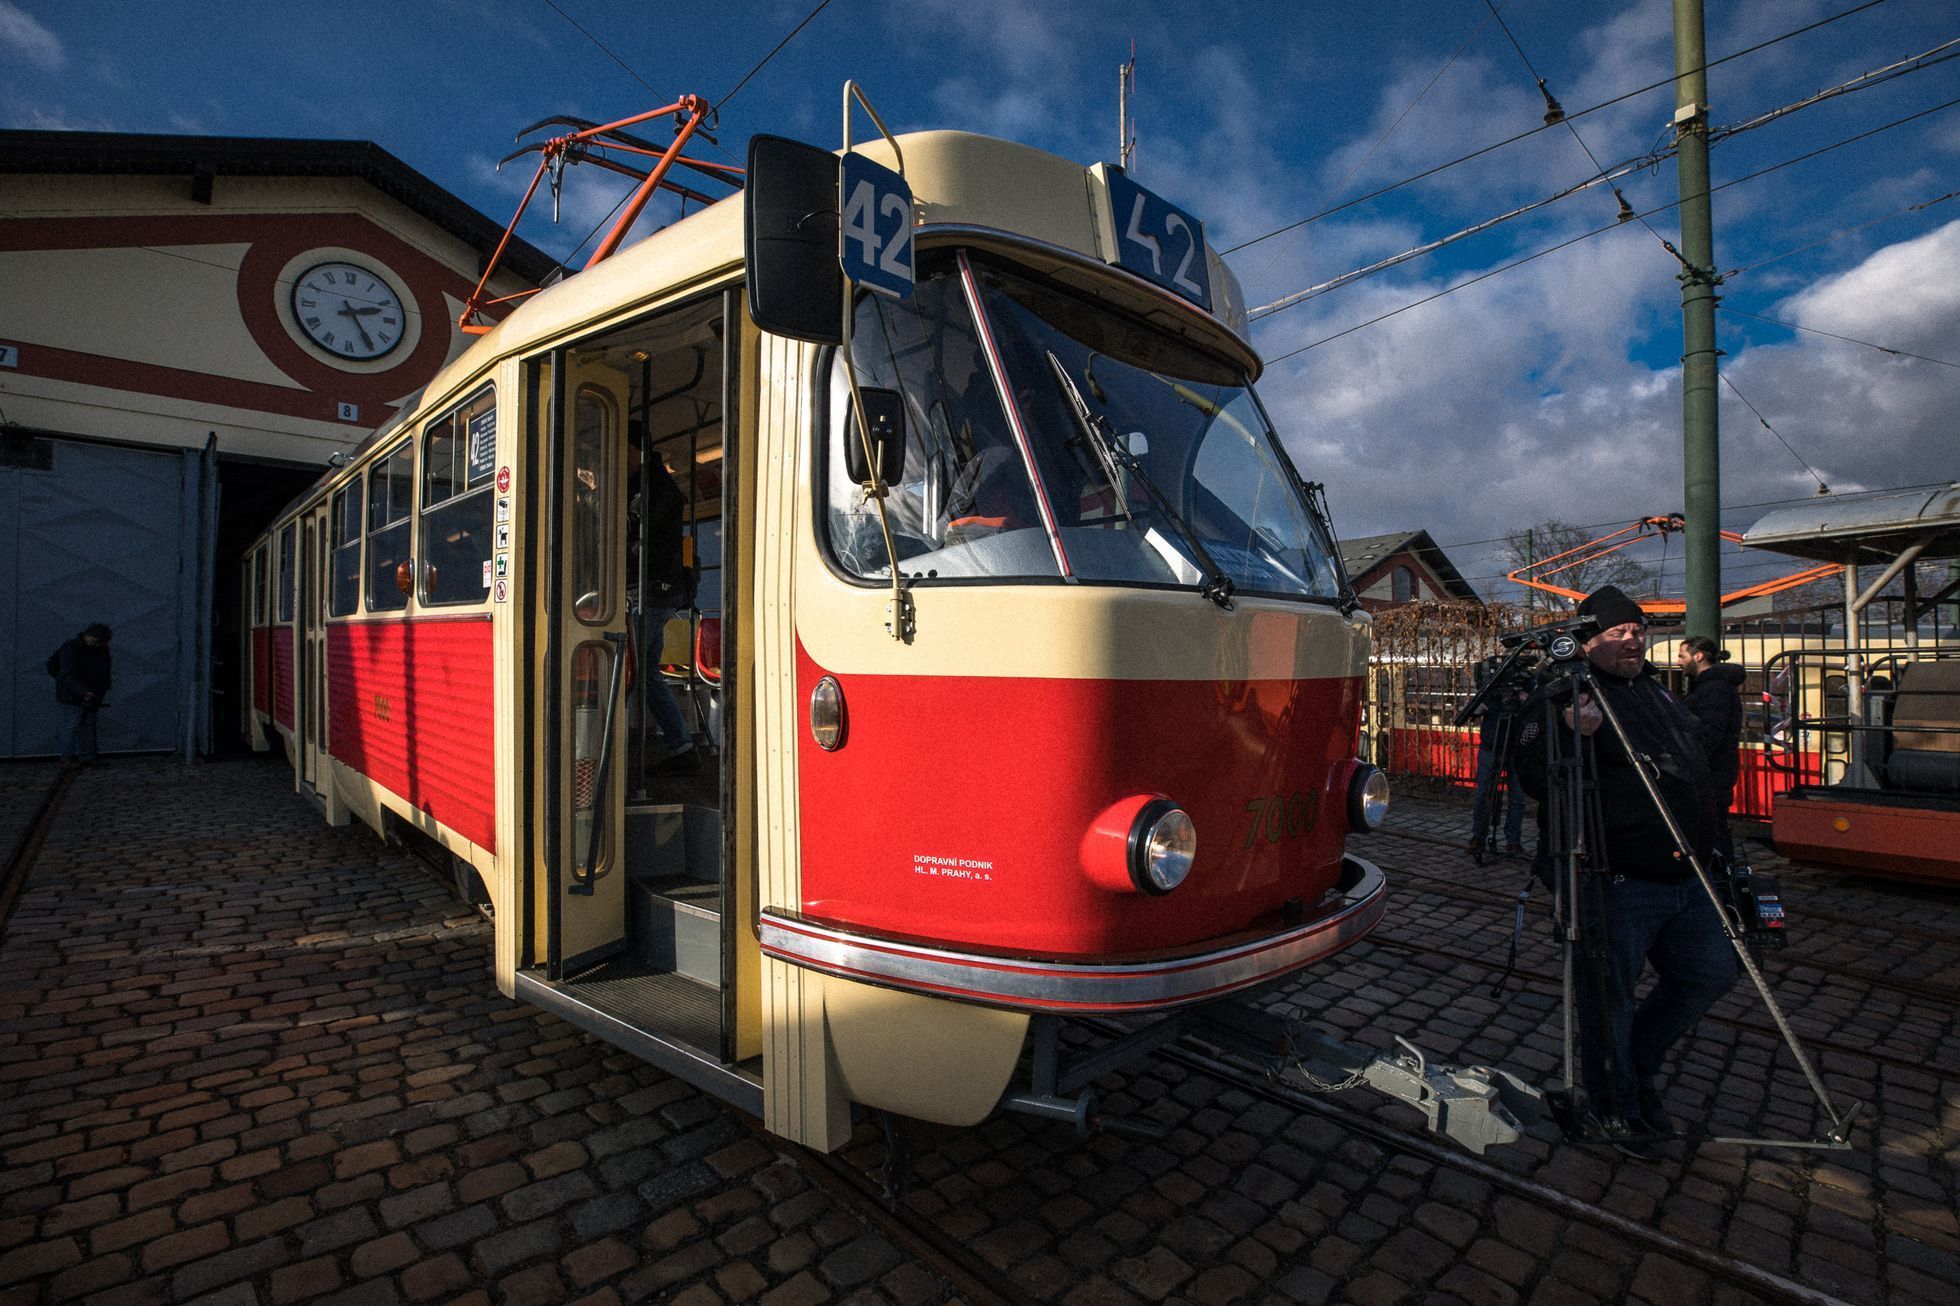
1112, 454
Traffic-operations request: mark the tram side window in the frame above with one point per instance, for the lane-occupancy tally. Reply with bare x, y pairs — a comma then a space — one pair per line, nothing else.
288, 568
458, 462
345, 596
596, 428
391, 494
258, 586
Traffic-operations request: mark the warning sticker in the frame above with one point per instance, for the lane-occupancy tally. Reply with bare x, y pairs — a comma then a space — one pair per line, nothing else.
503, 479
486, 573
501, 592
503, 507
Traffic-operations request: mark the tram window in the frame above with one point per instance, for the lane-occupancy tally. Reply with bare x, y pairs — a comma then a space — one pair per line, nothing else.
258, 586
391, 494
458, 460
594, 492
288, 568
963, 504
344, 596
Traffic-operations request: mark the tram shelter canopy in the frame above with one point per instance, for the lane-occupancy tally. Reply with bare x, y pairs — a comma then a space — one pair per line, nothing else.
1878, 529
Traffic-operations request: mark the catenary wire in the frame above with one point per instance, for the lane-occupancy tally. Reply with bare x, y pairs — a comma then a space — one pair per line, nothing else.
822, 5
1840, 233
1587, 235
580, 29
1601, 176
1512, 140
1850, 340
1377, 144
1821, 487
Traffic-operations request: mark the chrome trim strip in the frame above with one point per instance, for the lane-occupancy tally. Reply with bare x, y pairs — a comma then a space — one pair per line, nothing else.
1054, 986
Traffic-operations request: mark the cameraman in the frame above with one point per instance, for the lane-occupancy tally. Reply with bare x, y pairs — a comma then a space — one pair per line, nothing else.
1652, 909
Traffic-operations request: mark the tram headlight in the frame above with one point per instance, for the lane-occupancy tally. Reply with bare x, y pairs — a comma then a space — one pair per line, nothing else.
827, 714
1367, 797
1163, 844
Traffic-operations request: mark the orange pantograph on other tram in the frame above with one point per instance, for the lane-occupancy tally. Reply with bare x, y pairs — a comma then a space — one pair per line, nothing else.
1015, 674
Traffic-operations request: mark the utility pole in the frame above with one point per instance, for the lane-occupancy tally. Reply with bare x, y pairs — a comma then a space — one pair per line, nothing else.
1701, 463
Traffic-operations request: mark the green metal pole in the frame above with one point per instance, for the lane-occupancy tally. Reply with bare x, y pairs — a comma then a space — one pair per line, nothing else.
1700, 432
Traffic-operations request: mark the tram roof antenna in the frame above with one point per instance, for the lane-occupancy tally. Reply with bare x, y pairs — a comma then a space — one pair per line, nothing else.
587, 143
1534, 574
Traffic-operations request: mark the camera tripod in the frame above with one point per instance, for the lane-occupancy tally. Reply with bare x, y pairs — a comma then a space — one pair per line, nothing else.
1574, 827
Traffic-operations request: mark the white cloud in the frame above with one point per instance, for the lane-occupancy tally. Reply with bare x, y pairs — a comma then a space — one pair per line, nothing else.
28, 40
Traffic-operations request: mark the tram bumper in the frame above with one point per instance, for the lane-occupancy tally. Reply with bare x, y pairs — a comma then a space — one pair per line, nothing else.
1346, 914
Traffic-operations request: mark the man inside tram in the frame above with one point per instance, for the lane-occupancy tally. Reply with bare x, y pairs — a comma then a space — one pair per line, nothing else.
1652, 909
668, 592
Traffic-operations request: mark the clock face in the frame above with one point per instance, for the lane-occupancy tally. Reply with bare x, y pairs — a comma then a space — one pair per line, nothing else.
348, 311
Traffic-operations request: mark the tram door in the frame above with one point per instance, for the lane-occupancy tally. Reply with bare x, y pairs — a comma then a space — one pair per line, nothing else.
591, 665
311, 680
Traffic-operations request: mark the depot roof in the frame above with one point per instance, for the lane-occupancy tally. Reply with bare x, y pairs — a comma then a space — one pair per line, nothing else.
196, 157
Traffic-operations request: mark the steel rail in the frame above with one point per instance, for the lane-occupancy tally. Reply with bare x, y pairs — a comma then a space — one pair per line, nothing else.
28, 847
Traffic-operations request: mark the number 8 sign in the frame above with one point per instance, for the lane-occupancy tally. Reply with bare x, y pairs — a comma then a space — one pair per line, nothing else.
875, 235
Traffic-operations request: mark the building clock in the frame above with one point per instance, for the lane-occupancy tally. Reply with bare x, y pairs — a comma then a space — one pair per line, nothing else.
348, 311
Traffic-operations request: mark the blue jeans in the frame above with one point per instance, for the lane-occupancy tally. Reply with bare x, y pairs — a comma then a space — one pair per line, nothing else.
1481, 812
77, 732
1674, 927
667, 718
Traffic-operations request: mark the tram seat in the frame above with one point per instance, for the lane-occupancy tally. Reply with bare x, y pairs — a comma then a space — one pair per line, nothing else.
1925, 754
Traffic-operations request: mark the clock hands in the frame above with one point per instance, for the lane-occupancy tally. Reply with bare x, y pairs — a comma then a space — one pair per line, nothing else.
347, 310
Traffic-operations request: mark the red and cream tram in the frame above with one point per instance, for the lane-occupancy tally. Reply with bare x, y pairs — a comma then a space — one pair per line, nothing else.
1090, 751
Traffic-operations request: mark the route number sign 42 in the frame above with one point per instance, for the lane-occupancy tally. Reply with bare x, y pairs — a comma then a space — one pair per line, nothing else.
875, 235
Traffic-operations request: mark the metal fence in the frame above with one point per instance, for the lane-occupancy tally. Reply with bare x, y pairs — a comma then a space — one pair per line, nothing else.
1424, 669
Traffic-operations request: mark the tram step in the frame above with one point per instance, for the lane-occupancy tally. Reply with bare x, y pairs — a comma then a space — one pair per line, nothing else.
674, 839
676, 926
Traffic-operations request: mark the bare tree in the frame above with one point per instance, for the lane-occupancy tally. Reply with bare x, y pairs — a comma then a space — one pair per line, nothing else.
1548, 539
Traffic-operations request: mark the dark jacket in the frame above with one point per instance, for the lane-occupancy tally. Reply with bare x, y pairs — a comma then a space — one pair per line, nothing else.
81, 671
1715, 698
1660, 729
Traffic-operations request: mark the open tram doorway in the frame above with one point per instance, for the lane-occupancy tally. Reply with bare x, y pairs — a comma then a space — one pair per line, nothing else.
643, 941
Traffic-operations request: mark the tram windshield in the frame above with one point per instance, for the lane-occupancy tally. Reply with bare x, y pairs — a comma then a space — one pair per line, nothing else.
1114, 454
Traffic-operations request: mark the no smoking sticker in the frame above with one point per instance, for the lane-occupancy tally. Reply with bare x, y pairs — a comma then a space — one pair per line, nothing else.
502, 591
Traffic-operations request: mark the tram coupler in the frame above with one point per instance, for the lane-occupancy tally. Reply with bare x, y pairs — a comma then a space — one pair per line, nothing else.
1080, 1111
1473, 1105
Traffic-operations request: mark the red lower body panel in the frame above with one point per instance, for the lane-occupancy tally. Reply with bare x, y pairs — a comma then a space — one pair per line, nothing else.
411, 706
281, 640
1892, 839
958, 809
261, 669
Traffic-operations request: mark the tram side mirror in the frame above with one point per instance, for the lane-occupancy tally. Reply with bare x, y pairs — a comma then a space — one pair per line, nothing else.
789, 212
885, 411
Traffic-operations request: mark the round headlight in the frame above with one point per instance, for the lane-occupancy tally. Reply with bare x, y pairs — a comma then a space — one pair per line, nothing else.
1163, 844
827, 714
1367, 798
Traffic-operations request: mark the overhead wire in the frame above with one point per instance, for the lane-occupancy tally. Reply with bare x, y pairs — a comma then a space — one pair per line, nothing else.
1840, 233
1587, 235
1822, 488
1379, 141
1512, 140
1602, 176
1850, 340
821, 6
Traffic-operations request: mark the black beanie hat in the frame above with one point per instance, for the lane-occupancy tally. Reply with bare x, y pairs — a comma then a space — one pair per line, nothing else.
1609, 607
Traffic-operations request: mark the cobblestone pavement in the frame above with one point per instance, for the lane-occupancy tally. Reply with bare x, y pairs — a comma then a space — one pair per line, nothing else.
248, 1058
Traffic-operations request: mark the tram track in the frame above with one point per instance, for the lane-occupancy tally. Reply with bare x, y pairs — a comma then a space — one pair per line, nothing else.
13, 878
973, 1278
1554, 984
1742, 1274
1945, 996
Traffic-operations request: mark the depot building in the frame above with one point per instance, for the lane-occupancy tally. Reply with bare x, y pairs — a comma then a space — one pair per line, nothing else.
191, 328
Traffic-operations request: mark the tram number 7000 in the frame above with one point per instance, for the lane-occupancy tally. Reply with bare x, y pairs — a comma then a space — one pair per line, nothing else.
1282, 816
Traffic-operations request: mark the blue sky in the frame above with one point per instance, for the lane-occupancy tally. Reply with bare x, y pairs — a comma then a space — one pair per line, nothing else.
1548, 389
